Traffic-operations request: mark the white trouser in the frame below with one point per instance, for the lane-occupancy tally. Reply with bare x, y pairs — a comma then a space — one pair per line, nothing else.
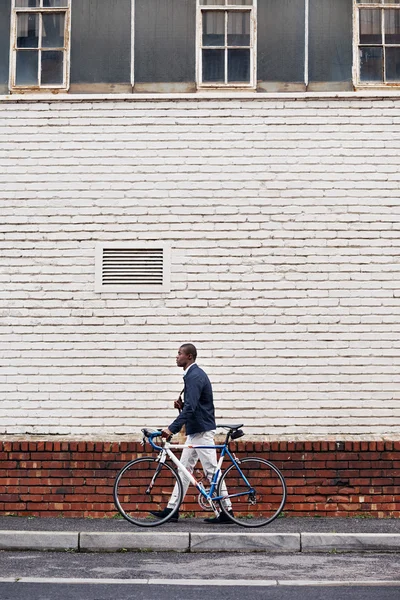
189, 458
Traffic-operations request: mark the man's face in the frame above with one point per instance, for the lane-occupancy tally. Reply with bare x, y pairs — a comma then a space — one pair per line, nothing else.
182, 358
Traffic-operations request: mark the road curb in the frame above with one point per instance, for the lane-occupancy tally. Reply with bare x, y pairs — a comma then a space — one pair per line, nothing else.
139, 541
38, 540
199, 542
245, 542
350, 542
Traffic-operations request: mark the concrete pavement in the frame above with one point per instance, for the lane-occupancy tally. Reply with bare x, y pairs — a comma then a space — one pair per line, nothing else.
285, 535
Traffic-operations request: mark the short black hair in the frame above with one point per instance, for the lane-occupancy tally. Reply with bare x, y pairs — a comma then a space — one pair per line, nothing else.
190, 349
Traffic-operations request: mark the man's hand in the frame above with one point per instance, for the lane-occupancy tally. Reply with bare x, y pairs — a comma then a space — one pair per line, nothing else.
178, 403
166, 433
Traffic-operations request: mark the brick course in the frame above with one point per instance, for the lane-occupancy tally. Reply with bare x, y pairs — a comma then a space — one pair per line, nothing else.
283, 217
75, 479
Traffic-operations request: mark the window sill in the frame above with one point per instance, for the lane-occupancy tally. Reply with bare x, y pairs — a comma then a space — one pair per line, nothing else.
200, 95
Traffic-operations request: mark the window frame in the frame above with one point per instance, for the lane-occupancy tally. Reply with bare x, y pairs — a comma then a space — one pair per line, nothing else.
252, 10
365, 5
66, 49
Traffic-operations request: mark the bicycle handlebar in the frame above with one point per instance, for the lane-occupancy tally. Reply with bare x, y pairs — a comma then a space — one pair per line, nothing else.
150, 435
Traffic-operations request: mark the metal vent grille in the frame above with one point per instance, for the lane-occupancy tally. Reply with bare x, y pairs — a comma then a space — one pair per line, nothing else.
131, 268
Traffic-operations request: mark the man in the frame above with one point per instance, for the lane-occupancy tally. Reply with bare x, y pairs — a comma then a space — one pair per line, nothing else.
198, 417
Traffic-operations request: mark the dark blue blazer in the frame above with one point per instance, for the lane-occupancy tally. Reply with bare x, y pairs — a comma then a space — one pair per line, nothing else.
198, 410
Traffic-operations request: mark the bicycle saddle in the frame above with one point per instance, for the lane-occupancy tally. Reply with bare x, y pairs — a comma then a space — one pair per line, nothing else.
232, 427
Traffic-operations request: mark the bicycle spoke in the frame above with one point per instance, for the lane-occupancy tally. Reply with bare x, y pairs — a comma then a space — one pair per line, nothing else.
259, 502
145, 485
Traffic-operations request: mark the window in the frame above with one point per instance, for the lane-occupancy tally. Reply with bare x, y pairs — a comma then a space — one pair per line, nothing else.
377, 42
226, 34
40, 44
132, 267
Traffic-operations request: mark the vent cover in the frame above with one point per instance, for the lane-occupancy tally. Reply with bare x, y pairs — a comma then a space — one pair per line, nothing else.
132, 268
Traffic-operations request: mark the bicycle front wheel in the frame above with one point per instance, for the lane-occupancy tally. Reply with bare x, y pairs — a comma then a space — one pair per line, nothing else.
144, 486
254, 490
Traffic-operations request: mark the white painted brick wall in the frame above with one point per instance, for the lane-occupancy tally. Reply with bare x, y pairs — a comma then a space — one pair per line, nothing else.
284, 220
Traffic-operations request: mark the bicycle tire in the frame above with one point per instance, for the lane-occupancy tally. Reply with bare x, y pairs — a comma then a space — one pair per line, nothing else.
252, 509
133, 497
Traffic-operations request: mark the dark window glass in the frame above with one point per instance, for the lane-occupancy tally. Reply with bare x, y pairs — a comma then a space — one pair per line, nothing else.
238, 29
330, 41
28, 30
392, 26
393, 64
213, 66
27, 67
165, 41
239, 66
53, 30
27, 3
371, 64
52, 67
280, 40
101, 41
370, 26
5, 8
55, 3
213, 28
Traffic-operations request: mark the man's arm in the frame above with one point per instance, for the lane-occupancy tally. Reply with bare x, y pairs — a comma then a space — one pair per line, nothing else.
193, 391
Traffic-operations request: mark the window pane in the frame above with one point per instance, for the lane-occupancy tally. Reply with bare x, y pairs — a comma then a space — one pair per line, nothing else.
392, 1
238, 29
392, 26
214, 2
242, 2
239, 66
52, 68
214, 28
26, 3
28, 31
370, 26
213, 65
280, 42
55, 3
371, 64
165, 48
392, 64
53, 30
330, 41
27, 68
369, 1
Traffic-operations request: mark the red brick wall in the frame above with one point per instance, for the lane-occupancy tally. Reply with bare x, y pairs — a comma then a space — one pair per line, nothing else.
50, 478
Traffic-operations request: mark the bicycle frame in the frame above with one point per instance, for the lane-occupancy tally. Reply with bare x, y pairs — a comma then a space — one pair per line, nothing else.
166, 450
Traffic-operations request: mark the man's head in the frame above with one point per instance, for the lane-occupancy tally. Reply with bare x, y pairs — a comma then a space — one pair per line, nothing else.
186, 356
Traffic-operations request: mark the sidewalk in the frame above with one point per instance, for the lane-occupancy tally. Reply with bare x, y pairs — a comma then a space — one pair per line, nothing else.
284, 535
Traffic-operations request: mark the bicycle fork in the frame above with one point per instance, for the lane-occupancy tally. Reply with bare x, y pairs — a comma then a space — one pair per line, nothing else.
161, 460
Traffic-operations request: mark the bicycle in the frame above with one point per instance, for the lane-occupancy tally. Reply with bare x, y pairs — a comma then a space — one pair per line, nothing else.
251, 491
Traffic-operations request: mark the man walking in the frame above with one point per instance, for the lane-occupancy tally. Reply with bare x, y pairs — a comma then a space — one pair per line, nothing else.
198, 417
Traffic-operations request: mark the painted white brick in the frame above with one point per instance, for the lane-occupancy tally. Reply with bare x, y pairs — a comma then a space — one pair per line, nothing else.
283, 219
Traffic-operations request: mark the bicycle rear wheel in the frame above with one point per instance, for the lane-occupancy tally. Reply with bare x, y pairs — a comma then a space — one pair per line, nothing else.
144, 485
257, 502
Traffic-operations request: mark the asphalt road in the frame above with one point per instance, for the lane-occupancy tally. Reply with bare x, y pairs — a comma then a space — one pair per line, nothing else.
224, 576
43, 591
228, 566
